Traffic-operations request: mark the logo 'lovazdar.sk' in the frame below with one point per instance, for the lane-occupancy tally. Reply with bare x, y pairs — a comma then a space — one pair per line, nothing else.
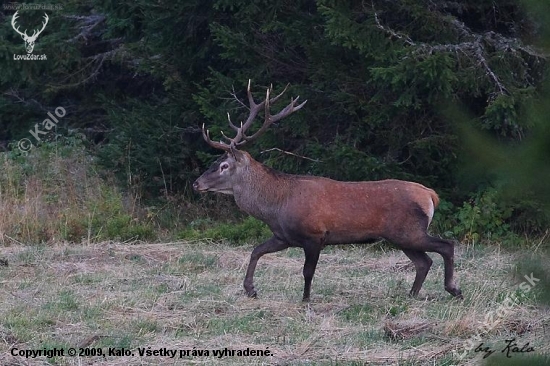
29, 40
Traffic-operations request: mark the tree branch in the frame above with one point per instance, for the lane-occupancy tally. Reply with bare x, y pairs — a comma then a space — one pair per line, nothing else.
474, 46
290, 153
390, 31
86, 25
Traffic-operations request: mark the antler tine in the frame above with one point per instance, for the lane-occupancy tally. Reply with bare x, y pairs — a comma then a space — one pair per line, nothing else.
267, 104
231, 123
225, 137
254, 110
288, 109
276, 98
238, 137
250, 98
267, 119
215, 145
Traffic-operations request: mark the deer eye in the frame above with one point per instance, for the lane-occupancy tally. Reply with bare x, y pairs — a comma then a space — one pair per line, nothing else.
223, 166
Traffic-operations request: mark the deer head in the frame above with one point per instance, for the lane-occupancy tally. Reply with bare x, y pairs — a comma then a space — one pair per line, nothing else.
227, 171
29, 40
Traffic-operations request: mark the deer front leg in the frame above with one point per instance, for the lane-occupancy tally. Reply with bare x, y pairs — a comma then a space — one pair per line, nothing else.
270, 246
312, 256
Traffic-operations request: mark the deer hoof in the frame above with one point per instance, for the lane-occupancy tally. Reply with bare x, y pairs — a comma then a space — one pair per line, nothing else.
252, 293
455, 292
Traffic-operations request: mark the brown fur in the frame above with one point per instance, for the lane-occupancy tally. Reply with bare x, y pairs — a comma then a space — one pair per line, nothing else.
311, 212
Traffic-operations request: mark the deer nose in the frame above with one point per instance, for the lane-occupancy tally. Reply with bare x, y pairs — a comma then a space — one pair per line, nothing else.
196, 186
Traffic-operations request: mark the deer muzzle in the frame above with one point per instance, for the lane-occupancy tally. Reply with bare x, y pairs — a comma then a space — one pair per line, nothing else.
197, 187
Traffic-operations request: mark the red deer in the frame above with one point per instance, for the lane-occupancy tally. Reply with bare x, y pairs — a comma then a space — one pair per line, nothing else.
311, 212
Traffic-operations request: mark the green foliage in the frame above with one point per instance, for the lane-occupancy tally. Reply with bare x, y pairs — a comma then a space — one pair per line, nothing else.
411, 84
248, 230
485, 216
140, 78
122, 227
342, 161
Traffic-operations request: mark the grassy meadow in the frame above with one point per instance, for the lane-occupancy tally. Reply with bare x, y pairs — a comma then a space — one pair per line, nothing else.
188, 296
88, 267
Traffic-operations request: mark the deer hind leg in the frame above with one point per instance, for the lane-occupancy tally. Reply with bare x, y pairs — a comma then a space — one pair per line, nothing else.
450, 285
419, 242
446, 249
422, 263
272, 245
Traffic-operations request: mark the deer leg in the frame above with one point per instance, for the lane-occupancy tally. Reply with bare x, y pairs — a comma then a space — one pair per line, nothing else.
446, 249
272, 245
312, 256
422, 263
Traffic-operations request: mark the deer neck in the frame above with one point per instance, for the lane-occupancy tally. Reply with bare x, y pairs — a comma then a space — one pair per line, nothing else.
261, 191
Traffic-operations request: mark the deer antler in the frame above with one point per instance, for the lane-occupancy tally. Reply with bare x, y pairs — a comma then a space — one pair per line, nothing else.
241, 138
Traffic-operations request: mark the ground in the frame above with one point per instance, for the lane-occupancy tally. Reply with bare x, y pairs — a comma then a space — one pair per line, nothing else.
188, 296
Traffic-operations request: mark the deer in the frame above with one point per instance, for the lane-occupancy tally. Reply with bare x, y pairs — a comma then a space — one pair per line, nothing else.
311, 212
29, 40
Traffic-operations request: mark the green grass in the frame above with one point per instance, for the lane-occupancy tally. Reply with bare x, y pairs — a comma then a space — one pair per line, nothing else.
189, 294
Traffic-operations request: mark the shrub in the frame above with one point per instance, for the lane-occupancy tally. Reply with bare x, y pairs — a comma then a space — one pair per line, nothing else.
483, 217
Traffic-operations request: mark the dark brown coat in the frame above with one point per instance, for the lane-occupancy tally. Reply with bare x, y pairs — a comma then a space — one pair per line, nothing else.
311, 212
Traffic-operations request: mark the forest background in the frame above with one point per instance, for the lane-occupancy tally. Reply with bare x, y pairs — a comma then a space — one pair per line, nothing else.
104, 243
449, 94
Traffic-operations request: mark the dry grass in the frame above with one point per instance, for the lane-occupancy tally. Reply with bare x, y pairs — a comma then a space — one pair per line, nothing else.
34, 189
188, 294
56, 194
